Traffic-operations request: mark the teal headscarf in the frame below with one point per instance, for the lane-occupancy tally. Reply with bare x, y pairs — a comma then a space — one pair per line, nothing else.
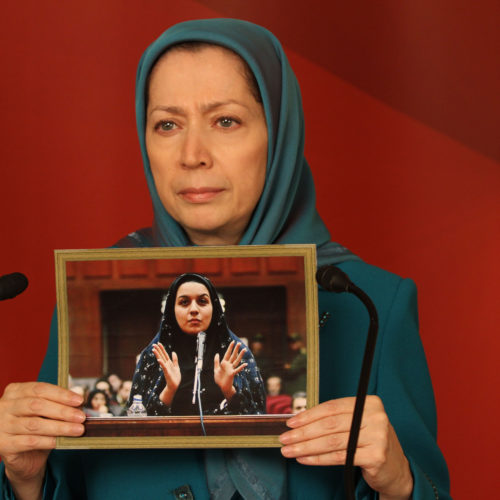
286, 211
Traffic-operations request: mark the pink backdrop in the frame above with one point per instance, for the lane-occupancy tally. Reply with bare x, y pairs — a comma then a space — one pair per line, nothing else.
402, 113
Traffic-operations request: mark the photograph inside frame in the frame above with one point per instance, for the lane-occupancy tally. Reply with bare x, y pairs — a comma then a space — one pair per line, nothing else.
188, 347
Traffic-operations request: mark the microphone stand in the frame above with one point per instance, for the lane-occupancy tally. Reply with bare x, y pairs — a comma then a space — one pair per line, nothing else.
197, 377
198, 397
333, 279
364, 379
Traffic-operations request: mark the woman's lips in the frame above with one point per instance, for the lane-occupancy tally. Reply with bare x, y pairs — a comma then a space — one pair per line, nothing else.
200, 195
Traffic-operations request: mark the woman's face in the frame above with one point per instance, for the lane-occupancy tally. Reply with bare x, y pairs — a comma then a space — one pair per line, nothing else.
97, 401
206, 139
193, 308
104, 386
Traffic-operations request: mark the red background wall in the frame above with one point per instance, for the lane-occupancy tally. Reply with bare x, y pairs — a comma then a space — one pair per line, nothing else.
402, 113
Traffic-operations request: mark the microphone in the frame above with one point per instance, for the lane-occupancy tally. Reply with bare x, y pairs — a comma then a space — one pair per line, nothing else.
331, 278
12, 284
200, 349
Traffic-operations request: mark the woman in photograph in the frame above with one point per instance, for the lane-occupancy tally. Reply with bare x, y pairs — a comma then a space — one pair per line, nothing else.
230, 383
97, 404
221, 130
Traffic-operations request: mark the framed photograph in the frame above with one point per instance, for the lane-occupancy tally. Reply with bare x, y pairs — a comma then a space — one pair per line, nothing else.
200, 347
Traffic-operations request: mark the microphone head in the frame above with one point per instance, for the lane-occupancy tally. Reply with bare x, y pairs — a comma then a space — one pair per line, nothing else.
331, 278
12, 284
200, 344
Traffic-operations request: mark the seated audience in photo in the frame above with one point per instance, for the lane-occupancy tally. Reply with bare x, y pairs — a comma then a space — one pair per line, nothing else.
123, 394
295, 369
299, 402
104, 385
276, 402
258, 346
115, 382
97, 404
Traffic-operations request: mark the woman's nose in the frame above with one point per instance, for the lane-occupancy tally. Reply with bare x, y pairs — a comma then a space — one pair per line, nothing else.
195, 152
193, 309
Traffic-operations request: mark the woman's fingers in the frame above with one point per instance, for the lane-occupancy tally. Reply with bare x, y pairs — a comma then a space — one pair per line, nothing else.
332, 424
240, 355
333, 417
162, 350
241, 367
38, 407
175, 359
156, 352
165, 365
44, 425
229, 352
32, 414
330, 444
37, 399
28, 433
233, 353
323, 410
169, 365
160, 353
365, 457
171, 371
319, 436
42, 390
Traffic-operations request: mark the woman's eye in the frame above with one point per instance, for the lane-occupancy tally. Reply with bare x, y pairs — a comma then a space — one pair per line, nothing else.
165, 126
227, 122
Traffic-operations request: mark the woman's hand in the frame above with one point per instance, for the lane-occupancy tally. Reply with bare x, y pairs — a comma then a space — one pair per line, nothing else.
225, 370
104, 411
319, 437
32, 414
171, 370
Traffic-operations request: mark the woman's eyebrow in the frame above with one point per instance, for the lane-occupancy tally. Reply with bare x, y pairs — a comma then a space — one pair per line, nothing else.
205, 108
189, 296
175, 110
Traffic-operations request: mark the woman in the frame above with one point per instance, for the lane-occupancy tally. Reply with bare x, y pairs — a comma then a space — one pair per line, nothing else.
97, 404
165, 373
223, 157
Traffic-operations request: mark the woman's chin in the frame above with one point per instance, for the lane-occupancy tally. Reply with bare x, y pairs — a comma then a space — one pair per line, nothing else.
205, 231
192, 331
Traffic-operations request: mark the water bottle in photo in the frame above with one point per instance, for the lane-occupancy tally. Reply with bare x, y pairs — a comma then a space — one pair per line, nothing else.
137, 409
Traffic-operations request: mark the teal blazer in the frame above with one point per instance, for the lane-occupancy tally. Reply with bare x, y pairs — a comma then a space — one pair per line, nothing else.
399, 376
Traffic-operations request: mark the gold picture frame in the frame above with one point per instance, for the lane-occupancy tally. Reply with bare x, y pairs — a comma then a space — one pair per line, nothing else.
97, 290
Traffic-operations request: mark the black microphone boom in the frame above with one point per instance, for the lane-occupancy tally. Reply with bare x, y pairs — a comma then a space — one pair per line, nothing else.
12, 284
331, 278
